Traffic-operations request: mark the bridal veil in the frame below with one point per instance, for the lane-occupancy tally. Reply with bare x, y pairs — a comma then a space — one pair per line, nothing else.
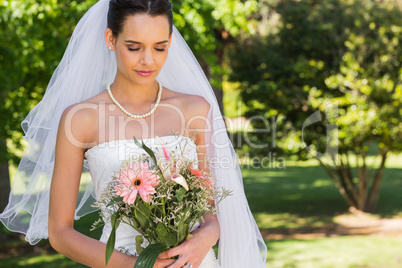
84, 71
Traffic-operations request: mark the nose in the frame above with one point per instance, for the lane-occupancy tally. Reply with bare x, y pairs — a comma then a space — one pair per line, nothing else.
147, 57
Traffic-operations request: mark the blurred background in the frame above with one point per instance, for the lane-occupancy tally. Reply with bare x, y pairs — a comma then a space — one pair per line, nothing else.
312, 95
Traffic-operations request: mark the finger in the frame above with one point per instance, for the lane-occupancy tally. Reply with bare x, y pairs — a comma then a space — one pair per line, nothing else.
163, 255
180, 262
163, 263
167, 255
176, 251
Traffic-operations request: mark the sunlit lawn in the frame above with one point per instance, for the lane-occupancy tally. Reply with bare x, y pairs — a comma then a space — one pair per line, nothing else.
298, 196
304, 196
336, 252
55, 260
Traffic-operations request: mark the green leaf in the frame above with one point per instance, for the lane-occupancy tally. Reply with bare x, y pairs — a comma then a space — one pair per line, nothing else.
139, 239
183, 232
180, 193
142, 213
149, 255
135, 223
167, 238
158, 211
114, 201
163, 207
112, 238
148, 150
144, 208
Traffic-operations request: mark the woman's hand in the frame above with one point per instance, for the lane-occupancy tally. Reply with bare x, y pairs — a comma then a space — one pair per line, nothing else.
162, 263
194, 249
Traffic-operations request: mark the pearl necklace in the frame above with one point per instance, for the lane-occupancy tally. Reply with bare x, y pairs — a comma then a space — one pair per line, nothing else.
134, 115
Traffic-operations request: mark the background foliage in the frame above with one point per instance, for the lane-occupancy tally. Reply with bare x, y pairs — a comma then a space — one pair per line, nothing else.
209, 27
330, 74
34, 35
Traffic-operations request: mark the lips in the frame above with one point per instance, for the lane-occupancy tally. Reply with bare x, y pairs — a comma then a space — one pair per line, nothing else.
145, 73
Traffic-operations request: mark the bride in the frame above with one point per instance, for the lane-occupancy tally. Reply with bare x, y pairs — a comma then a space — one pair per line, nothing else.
155, 87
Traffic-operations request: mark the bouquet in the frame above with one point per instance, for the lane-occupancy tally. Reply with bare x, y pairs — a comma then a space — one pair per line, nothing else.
162, 196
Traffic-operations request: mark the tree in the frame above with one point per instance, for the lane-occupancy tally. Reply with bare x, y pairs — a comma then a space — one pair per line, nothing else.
324, 64
208, 27
34, 35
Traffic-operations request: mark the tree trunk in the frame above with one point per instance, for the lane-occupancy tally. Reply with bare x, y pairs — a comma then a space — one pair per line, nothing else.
224, 39
217, 90
357, 195
4, 177
375, 189
362, 175
339, 183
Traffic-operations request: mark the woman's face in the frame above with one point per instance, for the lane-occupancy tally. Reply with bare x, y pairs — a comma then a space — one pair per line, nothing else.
142, 47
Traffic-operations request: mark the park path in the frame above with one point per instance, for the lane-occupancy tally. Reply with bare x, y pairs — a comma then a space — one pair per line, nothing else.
346, 225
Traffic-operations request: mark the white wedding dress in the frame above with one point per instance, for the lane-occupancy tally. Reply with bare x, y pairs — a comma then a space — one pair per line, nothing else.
105, 159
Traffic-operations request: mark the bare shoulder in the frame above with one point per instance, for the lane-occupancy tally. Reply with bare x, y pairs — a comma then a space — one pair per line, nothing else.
195, 109
81, 119
198, 105
80, 113
85, 111
191, 105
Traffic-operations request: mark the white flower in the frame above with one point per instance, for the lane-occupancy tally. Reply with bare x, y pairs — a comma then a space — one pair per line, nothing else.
171, 171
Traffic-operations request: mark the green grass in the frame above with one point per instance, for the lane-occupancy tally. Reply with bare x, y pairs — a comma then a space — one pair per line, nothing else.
336, 252
54, 260
300, 195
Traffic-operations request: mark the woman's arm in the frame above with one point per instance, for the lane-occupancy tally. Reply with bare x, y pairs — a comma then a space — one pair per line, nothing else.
210, 226
74, 131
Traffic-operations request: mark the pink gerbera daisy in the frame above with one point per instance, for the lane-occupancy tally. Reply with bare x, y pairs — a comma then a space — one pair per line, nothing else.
136, 179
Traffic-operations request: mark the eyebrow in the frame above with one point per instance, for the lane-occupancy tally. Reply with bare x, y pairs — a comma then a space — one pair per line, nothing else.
139, 43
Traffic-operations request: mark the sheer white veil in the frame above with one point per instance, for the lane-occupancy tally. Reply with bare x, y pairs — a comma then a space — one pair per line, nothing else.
84, 71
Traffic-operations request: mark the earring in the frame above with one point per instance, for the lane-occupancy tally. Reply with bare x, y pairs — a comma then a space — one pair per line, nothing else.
110, 48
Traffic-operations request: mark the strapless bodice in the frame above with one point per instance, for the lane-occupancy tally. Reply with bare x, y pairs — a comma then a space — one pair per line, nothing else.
105, 159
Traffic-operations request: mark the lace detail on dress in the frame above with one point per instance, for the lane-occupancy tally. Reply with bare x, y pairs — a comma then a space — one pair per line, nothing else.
210, 260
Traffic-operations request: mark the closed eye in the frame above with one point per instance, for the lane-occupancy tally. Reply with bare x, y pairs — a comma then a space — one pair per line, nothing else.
138, 49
